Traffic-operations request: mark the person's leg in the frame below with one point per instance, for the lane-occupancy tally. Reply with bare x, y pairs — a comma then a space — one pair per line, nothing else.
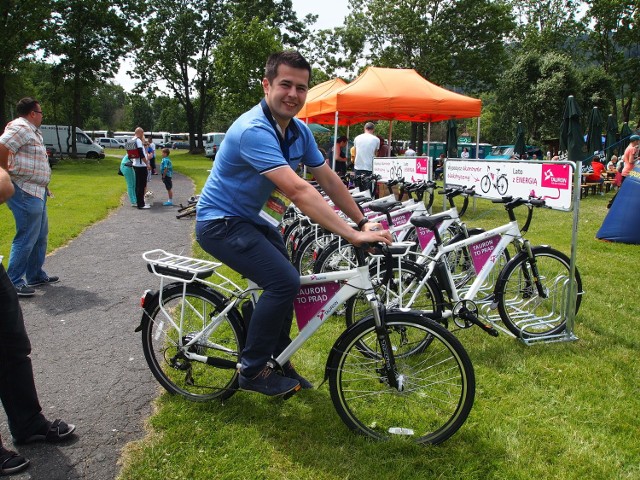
27, 212
141, 183
17, 388
35, 273
130, 178
255, 253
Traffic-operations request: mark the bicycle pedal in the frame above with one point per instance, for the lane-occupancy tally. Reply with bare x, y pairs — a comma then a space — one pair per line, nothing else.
290, 394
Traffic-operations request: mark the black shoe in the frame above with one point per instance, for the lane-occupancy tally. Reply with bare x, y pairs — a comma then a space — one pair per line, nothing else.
290, 372
268, 382
11, 462
44, 281
25, 291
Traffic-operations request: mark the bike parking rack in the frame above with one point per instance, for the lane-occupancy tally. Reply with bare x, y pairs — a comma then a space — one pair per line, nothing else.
568, 299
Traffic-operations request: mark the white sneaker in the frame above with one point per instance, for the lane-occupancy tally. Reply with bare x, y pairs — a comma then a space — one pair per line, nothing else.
146, 206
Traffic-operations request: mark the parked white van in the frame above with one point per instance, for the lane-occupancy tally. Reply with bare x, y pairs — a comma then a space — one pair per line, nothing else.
108, 142
211, 142
59, 137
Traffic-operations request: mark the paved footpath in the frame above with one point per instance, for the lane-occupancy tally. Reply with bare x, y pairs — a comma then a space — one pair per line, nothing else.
88, 362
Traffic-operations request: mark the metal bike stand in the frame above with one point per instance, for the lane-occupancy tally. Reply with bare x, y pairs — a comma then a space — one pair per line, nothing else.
568, 335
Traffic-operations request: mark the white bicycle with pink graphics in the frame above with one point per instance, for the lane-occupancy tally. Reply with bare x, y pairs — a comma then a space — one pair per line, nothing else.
392, 374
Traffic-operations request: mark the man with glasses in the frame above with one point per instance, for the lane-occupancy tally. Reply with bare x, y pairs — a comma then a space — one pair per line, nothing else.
23, 155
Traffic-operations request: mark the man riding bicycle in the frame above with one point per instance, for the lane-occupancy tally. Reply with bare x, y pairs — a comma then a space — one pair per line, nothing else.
260, 153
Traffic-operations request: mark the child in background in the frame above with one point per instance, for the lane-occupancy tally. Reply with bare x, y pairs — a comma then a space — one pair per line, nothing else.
166, 170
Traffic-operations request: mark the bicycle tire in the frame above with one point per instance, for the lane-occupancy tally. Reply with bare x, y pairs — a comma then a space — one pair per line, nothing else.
439, 381
307, 252
397, 292
191, 379
336, 256
523, 311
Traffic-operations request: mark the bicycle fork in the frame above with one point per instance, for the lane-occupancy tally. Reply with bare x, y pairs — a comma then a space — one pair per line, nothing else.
389, 370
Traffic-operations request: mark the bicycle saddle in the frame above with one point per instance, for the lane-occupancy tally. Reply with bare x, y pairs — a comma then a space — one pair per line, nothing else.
430, 221
384, 206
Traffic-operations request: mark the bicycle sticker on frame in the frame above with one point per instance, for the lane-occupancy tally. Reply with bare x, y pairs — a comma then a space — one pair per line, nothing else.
310, 299
481, 252
491, 179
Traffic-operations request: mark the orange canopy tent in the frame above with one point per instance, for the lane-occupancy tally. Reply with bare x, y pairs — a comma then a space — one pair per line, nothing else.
387, 94
319, 90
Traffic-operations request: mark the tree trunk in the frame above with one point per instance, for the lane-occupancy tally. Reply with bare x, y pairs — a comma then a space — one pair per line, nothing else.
3, 100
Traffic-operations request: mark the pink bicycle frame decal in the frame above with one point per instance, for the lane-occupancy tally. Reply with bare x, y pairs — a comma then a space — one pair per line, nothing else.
481, 251
425, 236
397, 221
310, 299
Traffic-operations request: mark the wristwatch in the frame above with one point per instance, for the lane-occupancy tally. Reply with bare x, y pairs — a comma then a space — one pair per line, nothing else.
362, 222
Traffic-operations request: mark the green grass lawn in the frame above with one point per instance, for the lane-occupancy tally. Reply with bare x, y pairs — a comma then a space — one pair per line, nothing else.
555, 411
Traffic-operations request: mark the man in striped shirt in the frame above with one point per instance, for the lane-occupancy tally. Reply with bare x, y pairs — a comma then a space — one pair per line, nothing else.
23, 155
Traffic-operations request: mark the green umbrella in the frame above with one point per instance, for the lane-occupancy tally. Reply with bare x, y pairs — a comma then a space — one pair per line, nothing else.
594, 135
571, 139
625, 133
315, 128
610, 146
519, 147
452, 139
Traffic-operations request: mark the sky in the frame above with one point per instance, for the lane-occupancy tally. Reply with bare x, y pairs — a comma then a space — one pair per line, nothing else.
330, 13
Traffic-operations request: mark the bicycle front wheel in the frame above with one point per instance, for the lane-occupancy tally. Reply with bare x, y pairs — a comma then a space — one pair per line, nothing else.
437, 381
163, 337
523, 310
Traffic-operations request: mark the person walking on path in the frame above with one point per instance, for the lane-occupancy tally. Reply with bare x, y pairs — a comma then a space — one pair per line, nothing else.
23, 155
141, 167
17, 387
260, 154
367, 146
166, 170
126, 167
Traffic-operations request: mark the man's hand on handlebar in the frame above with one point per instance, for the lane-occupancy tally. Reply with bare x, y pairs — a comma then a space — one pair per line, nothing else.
372, 233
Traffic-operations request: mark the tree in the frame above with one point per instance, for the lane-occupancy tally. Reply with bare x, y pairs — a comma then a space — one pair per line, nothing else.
613, 40
239, 69
88, 38
451, 43
22, 25
547, 25
533, 91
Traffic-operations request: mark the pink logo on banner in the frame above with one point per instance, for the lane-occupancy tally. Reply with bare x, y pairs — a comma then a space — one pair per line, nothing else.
422, 166
310, 299
481, 252
555, 176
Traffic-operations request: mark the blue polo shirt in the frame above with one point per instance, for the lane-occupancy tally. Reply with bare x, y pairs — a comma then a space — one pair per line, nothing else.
237, 186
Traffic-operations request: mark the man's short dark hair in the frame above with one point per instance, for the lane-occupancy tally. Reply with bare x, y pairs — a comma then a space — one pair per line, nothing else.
290, 58
342, 139
26, 105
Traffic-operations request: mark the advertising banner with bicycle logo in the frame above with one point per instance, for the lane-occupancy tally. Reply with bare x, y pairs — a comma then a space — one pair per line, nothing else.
549, 181
412, 169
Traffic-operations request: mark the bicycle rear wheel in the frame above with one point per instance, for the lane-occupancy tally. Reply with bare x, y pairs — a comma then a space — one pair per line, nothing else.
162, 338
438, 381
522, 309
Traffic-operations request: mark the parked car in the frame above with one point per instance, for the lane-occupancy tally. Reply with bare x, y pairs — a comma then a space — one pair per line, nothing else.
51, 156
505, 152
178, 145
108, 142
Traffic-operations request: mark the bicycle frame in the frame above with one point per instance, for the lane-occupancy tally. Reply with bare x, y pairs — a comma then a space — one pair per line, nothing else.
508, 234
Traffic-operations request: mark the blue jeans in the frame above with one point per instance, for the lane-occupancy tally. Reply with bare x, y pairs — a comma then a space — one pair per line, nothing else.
17, 388
258, 253
29, 246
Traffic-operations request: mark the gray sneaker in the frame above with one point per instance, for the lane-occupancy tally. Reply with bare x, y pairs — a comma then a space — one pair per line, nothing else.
25, 291
268, 382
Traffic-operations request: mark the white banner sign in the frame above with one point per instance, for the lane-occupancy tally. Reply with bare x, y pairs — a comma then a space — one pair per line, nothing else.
491, 179
412, 169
